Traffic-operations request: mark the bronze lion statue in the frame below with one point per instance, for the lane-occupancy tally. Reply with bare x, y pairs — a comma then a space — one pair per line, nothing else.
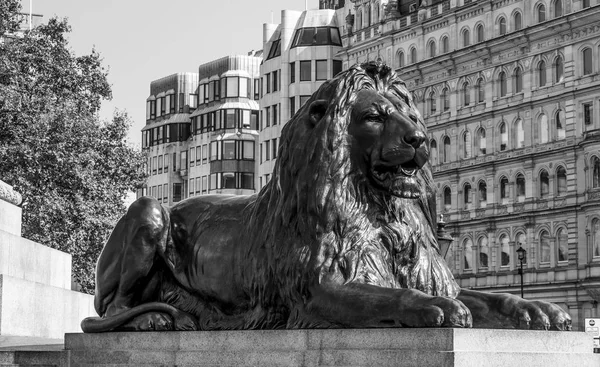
343, 236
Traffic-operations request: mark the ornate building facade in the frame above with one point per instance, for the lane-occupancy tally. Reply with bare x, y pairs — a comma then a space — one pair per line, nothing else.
510, 91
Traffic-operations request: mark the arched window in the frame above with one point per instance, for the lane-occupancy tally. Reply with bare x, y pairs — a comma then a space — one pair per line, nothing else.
376, 13
502, 26
504, 188
558, 70
482, 191
519, 134
467, 195
368, 17
445, 44
447, 198
481, 143
466, 94
541, 13
586, 4
432, 49
544, 128
483, 252
432, 103
480, 35
560, 124
595, 237
502, 81
445, 99
503, 136
466, 38
505, 249
595, 172
446, 149
541, 73
518, 84
544, 184
561, 180
522, 242
544, 247
467, 144
562, 245
358, 20
413, 55
400, 59
468, 251
558, 8
434, 152
517, 21
520, 179
587, 60
480, 90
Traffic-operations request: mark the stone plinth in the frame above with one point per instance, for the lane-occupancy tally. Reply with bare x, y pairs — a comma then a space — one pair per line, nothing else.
359, 347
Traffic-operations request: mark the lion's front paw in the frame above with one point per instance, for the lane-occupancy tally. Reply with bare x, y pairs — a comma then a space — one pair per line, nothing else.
151, 321
434, 311
185, 322
538, 315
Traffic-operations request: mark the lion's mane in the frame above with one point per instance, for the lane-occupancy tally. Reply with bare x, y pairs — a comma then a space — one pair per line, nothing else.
319, 219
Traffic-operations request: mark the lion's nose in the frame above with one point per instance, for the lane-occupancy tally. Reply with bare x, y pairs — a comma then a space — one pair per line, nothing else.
415, 138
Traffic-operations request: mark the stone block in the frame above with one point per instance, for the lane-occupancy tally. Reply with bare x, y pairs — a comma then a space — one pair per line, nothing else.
28, 260
358, 347
38, 310
10, 218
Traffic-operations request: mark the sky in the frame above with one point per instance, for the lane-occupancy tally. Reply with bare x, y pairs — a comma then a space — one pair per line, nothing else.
144, 40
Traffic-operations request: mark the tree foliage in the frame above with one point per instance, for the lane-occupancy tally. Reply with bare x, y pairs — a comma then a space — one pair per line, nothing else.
72, 169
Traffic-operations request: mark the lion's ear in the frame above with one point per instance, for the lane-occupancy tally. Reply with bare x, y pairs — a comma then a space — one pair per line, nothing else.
317, 110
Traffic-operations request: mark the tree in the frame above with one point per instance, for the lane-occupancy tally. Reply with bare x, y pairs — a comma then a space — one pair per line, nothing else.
72, 169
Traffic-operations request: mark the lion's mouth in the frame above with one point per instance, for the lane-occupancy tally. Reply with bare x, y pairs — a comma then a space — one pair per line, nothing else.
398, 179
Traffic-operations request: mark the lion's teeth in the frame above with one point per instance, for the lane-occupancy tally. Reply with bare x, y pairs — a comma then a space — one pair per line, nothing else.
410, 172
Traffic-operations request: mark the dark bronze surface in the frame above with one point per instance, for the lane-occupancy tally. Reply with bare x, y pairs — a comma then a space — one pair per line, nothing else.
344, 235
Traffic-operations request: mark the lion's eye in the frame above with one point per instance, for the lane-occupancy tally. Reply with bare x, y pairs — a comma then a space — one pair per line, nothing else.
374, 118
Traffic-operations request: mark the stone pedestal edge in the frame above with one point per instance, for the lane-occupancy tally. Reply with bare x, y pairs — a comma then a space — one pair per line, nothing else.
7, 193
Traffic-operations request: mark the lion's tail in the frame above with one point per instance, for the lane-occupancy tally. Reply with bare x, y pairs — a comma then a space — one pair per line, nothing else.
104, 324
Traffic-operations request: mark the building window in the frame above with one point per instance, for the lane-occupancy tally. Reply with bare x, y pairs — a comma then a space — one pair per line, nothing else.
502, 26
468, 251
505, 250
560, 124
544, 128
400, 59
558, 8
595, 172
466, 37
431, 49
517, 21
480, 35
586, 4
303, 100
503, 189
483, 253
595, 237
481, 142
502, 80
466, 94
519, 134
518, 84
445, 45
434, 152
305, 71
337, 67
274, 148
467, 144
445, 99
292, 106
446, 149
587, 114
562, 245
413, 55
520, 179
321, 69
275, 81
541, 13
558, 70
447, 198
544, 247
467, 195
544, 184
267, 150
256, 89
587, 60
561, 180
432, 103
292, 72
267, 116
275, 49
503, 137
541, 73
480, 90
268, 82
319, 36
482, 191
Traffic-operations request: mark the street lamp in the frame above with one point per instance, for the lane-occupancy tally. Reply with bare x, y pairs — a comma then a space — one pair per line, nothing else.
521, 256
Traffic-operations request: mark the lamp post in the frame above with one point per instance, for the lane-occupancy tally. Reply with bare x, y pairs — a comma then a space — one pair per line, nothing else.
521, 256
